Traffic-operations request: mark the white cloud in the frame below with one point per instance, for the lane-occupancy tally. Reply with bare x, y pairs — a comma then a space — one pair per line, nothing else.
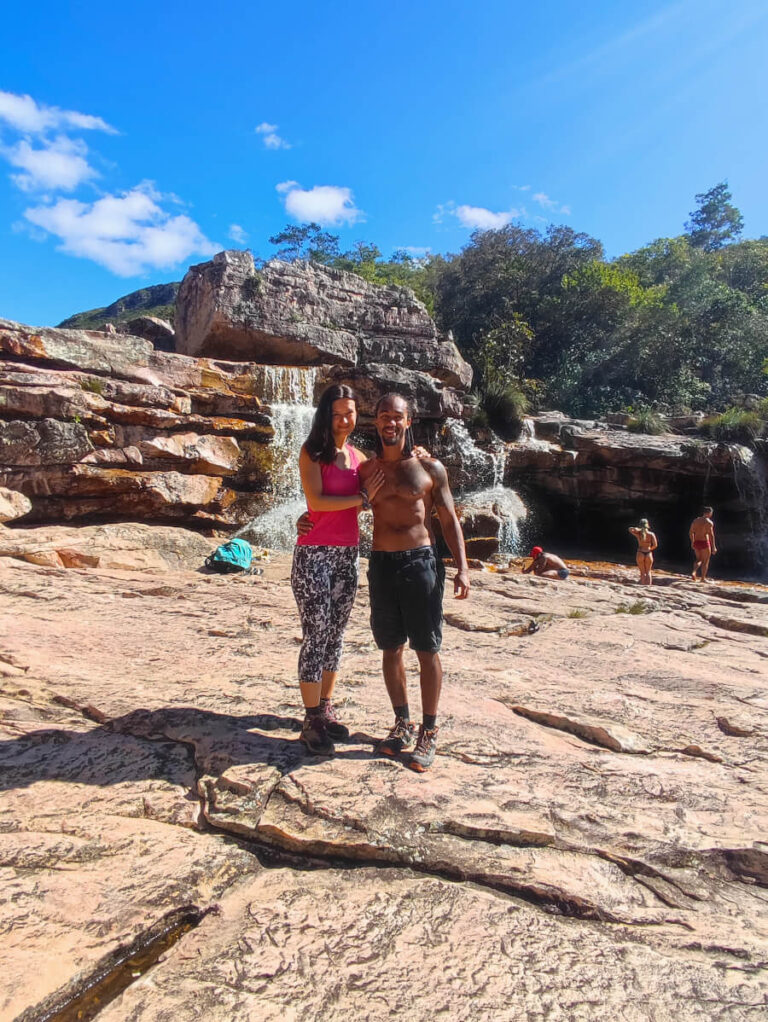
416, 250
127, 233
270, 136
553, 205
477, 217
32, 118
237, 234
327, 205
544, 200
442, 209
59, 165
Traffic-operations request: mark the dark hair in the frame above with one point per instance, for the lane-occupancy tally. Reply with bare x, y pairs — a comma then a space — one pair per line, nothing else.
390, 397
706, 510
408, 447
320, 445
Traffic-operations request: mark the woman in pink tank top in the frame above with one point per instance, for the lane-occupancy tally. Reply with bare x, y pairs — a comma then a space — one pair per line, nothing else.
325, 560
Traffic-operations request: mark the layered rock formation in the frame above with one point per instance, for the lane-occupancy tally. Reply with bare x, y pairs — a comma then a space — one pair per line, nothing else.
590, 481
590, 843
307, 314
96, 425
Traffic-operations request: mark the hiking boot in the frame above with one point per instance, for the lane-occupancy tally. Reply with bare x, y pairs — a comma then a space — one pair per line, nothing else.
336, 730
315, 736
400, 737
423, 756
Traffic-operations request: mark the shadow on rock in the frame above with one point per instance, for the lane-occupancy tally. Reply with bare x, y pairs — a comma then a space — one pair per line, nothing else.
119, 750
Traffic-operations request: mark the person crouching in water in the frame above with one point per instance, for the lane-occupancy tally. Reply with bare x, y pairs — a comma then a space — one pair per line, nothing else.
325, 559
646, 544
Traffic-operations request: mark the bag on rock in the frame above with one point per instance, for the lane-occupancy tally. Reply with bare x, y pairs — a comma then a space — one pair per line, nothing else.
233, 556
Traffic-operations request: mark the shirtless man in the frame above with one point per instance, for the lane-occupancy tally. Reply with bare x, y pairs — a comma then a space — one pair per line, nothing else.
547, 565
702, 534
406, 577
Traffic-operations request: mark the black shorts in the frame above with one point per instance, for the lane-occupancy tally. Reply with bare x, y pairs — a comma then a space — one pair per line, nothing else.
406, 592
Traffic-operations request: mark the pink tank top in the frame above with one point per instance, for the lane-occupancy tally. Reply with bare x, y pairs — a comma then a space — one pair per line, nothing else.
336, 528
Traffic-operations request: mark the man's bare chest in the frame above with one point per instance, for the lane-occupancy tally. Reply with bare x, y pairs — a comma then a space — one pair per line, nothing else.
405, 480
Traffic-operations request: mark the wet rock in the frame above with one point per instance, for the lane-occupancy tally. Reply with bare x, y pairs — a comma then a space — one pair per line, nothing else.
46, 442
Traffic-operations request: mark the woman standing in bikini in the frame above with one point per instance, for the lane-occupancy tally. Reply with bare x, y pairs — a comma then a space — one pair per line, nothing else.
646, 544
325, 559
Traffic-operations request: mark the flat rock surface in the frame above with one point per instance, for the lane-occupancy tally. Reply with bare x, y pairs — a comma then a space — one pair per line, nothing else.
590, 843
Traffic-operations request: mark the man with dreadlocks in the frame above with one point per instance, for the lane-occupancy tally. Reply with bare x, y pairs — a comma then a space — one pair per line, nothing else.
405, 575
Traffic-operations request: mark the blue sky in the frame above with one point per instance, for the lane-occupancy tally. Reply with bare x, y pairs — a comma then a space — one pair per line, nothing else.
137, 140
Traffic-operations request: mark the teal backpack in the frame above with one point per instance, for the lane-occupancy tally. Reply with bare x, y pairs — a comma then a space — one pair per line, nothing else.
233, 556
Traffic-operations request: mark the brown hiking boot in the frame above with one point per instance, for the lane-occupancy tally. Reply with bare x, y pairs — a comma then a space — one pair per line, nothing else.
315, 736
400, 737
423, 756
336, 730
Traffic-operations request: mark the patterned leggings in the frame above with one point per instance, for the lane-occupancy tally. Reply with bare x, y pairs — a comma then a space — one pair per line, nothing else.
324, 583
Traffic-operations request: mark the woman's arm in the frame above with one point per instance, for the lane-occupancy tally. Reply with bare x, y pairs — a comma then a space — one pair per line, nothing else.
312, 484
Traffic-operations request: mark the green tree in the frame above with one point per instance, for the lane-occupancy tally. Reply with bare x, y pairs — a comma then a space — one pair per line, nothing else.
306, 241
715, 221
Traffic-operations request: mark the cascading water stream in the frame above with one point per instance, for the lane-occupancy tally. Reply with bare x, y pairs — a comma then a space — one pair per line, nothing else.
751, 478
480, 480
289, 392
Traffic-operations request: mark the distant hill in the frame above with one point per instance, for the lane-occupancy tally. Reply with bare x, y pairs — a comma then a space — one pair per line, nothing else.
158, 300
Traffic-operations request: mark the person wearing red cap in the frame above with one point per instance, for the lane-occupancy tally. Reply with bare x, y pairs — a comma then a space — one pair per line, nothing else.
546, 565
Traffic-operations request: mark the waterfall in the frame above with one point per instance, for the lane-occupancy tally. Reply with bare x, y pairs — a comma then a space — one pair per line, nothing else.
751, 478
529, 440
479, 476
287, 385
290, 392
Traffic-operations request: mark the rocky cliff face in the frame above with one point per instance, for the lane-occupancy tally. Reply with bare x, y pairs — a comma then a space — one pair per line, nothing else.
96, 425
306, 314
590, 482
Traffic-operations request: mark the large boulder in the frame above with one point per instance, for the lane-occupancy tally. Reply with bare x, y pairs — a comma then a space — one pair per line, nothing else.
13, 505
307, 314
158, 331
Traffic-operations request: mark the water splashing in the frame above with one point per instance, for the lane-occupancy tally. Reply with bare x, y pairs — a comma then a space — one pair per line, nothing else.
751, 478
290, 392
479, 478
